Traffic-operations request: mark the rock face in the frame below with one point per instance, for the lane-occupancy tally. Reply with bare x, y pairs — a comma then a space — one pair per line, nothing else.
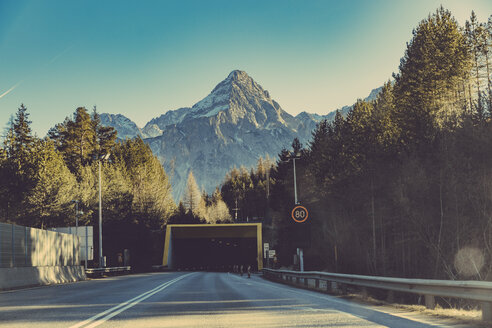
126, 128
237, 123
234, 125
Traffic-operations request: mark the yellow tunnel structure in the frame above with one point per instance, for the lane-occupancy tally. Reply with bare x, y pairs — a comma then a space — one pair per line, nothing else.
213, 246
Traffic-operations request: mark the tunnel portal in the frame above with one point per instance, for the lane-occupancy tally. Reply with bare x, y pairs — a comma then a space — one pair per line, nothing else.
214, 247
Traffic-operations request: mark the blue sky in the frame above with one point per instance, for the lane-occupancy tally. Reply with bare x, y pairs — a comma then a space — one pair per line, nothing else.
143, 58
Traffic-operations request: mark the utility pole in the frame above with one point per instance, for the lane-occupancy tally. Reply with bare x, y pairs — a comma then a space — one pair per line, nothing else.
101, 258
101, 263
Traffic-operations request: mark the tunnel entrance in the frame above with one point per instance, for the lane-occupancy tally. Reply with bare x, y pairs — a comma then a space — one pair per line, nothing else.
214, 247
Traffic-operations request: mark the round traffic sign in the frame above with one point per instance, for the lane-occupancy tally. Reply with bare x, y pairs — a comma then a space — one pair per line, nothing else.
299, 214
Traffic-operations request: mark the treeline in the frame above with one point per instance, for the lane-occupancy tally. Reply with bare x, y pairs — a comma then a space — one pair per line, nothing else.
246, 192
197, 207
402, 185
42, 178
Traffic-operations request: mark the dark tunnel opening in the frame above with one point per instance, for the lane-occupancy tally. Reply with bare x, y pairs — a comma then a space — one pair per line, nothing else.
214, 254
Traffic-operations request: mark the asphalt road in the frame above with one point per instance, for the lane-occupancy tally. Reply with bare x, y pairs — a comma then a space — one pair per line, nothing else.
182, 299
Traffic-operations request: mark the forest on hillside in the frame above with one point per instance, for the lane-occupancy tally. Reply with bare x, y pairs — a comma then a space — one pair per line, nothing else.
44, 178
400, 186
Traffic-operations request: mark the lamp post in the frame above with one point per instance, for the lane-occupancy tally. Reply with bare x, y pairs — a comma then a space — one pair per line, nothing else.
101, 258
293, 157
76, 216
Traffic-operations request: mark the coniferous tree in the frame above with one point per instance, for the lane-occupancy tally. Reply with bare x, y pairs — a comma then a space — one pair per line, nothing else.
18, 169
435, 63
83, 139
192, 195
55, 187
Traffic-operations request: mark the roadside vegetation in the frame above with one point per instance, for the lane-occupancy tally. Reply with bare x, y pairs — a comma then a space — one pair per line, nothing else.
400, 186
42, 177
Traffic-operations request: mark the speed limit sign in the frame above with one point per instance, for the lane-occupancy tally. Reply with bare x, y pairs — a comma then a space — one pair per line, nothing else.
299, 214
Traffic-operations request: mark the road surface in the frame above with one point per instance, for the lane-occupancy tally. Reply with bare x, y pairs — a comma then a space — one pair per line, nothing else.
183, 299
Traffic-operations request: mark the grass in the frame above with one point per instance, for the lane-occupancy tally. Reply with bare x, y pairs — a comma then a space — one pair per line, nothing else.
473, 316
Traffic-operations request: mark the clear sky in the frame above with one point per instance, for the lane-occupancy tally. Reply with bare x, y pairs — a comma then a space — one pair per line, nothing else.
143, 58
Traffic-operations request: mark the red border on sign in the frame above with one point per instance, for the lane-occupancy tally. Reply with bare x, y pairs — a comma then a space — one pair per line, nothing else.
299, 221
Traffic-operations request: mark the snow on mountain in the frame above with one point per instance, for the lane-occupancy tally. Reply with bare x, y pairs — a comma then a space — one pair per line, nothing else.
156, 125
126, 128
232, 126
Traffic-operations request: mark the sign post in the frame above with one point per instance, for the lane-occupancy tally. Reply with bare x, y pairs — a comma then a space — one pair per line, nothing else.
299, 215
266, 247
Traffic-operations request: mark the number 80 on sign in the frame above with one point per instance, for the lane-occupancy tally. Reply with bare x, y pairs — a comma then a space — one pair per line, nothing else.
300, 214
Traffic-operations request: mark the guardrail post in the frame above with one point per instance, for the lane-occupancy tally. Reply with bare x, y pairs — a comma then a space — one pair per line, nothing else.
391, 297
364, 293
430, 302
327, 285
343, 288
334, 286
486, 311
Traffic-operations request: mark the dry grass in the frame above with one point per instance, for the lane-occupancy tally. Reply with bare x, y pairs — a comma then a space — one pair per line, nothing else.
468, 315
473, 317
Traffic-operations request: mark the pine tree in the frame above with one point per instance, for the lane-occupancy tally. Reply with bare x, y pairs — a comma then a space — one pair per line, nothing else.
476, 34
55, 187
192, 195
18, 169
435, 64
22, 131
105, 136
83, 139
151, 197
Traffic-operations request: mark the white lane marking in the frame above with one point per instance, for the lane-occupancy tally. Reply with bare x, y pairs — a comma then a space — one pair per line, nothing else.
80, 324
126, 305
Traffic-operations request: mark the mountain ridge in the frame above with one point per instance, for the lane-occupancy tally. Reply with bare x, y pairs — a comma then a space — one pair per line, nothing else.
234, 125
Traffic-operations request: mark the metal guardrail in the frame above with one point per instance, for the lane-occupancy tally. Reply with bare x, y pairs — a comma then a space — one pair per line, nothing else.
100, 271
473, 290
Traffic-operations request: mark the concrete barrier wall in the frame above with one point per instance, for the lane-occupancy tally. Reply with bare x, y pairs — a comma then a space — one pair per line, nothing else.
35, 276
30, 256
25, 247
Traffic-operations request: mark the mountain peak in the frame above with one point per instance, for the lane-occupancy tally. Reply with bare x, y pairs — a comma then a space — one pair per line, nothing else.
237, 75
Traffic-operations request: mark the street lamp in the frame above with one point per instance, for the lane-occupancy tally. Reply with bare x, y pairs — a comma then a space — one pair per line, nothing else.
101, 258
293, 157
76, 216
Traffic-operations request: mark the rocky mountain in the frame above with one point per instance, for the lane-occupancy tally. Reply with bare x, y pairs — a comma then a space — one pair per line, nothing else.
155, 127
234, 125
237, 123
126, 128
